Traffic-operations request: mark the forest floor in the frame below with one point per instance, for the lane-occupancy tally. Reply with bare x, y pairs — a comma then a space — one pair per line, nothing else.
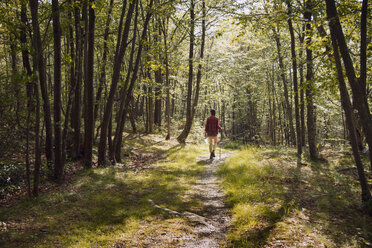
168, 195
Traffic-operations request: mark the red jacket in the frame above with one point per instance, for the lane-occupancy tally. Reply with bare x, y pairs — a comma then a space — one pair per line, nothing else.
212, 127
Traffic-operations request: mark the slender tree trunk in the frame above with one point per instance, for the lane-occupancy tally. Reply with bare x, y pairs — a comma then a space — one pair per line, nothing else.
346, 104
76, 113
200, 66
119, 55
72, 89
182, 137
358, 86
158, 78
295, 81
102, 77
129, 93
311, 122
302, 95
37, 164
89, 92
274, 110
42, 79
287, 109
29, 89
58, 162
167, 104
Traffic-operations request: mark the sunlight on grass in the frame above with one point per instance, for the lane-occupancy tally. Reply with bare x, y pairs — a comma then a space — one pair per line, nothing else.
107, 206
256, 202
277, 203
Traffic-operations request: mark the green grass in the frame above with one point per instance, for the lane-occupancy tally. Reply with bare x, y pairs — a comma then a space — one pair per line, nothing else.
276, 202
235, 144
107, 206
273, 201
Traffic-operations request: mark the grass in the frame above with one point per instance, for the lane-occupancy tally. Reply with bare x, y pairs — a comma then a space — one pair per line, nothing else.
275, 202
235, 144
109, 206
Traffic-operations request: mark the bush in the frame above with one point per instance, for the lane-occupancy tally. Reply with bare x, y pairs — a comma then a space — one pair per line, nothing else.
11, 177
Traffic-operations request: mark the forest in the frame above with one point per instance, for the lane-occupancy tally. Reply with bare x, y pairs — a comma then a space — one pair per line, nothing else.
103, 110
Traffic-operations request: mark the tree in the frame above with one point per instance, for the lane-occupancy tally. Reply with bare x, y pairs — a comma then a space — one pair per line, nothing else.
89, 91
295, 79
358, 85
42, 79
58, 161
119, 55
311, 122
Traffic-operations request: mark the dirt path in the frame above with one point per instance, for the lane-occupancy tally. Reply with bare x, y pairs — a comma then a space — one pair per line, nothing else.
212, 230
210, 224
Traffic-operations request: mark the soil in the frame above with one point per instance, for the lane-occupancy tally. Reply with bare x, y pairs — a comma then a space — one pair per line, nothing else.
212, 222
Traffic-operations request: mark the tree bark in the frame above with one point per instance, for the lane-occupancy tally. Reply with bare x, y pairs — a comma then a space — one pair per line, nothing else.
311, 122
182, 137
72, 89
58, 162
295, 80
166, 62
37, 164
102, 77
42, 79
302, 96
89, 92
76, 112
29, 90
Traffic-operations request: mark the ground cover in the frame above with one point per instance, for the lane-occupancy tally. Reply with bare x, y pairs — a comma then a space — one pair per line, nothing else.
278, 202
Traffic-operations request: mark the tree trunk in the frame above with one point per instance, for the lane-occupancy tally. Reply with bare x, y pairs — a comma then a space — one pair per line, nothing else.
102, 77
200, 66
129, 92
295, 81
37, 164
167, 103
76, 112
182, 137
302, 96
29, 90
158, 79
42, 79
311, 122
120, 128
72, 89
358, 86
346, 104
288, 109
119, 55
58, 162
89, 92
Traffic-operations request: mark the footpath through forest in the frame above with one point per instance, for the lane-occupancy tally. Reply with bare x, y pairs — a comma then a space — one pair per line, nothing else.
212, 223
170, 195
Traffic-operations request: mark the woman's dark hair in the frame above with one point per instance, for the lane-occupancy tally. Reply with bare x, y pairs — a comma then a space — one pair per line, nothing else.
213, 112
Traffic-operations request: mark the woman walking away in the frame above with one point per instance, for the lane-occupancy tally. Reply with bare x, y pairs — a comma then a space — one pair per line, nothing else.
211, 131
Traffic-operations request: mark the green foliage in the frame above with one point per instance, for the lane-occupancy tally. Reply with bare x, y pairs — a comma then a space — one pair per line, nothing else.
235, 144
